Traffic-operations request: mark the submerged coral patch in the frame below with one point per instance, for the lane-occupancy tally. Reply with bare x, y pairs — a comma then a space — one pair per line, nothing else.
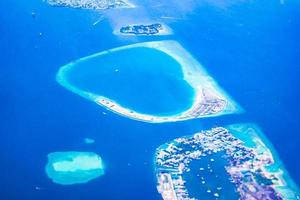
72, 167
234, 162
88, 140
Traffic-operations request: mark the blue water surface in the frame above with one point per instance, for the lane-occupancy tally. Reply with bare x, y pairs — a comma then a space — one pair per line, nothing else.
251, 49
141, 79
216, 179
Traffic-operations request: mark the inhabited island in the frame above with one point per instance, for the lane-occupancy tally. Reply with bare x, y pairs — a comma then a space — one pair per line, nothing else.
234, 162
91, 4
147, 29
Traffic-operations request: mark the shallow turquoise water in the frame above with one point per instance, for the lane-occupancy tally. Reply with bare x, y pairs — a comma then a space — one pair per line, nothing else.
72, 167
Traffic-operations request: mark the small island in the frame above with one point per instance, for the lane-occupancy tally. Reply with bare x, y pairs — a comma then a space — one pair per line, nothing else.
150, 29
91, 4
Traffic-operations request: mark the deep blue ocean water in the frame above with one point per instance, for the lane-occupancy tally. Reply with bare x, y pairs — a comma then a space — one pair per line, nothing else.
141, 79
251, 49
